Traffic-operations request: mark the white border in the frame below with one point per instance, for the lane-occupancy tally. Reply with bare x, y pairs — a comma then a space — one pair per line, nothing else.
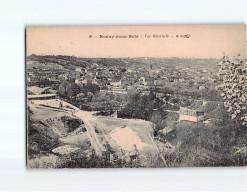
16, 14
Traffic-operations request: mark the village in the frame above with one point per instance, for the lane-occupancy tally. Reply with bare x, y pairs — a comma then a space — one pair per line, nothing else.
112, 98
169, 82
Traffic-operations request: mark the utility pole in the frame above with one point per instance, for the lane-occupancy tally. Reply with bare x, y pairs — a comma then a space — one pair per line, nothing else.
155, 91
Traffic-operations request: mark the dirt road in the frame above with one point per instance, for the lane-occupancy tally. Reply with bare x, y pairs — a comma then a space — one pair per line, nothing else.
87, 117
121, 134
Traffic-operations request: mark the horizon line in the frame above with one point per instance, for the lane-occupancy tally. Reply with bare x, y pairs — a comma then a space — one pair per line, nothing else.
125, 57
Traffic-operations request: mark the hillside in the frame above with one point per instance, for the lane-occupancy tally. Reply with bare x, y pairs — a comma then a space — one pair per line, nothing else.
56, 134
52, 132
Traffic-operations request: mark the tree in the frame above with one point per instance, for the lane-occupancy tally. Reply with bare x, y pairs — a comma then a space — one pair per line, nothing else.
141, 106
89, 87
80, 97
234, 86
158, 121
90, 96
72, 91
63, 87
62, 77
123, 70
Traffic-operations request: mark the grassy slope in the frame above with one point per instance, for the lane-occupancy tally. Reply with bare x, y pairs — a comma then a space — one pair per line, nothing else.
208, 144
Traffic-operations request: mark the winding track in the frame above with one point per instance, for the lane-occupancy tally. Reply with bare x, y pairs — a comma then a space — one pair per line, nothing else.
92, 136
86, 117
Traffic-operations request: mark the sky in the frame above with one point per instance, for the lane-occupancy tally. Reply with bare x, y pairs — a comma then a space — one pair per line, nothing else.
205, 41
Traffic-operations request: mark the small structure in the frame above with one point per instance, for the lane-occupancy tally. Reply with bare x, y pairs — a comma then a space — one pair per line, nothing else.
146, 81
38, 90
37, 93
78, 69
42, 97
190, 115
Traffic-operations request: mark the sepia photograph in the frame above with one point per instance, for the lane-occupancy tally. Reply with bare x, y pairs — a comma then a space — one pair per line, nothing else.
136, 96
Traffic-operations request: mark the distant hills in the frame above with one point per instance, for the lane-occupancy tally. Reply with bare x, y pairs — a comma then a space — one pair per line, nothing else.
195, 63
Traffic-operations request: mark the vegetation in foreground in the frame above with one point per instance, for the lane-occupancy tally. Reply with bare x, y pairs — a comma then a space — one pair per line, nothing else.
222, 141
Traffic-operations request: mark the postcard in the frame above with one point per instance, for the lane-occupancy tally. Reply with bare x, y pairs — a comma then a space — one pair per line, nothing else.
136, 96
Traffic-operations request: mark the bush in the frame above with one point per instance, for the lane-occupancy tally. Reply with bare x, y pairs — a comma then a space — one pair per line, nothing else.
141, 106
71, 123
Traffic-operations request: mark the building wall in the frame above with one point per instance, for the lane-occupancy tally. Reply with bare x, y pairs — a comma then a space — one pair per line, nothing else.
200, 118
191, 118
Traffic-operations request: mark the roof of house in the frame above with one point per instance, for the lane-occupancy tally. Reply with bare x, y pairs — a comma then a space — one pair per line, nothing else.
37, 90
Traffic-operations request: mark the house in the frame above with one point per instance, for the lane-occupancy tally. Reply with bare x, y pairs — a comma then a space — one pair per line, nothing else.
127, 81
45, 83
146, 81
78, 69
160, 82
37, 93
80, 80
63, 77
129, 70
201, 87
97, 81
95, 65
181, 80
38, 90
124, 82
75, 75
88, 79
174, 79
190, 115
115, 83
99, 72
89, 72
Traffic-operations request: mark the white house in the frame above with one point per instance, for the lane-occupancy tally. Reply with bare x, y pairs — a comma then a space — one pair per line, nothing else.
115, 83
78, 69
186, 114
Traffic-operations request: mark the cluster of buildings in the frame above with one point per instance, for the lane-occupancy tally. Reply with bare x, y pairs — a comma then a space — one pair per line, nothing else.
116, 76
120, 79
